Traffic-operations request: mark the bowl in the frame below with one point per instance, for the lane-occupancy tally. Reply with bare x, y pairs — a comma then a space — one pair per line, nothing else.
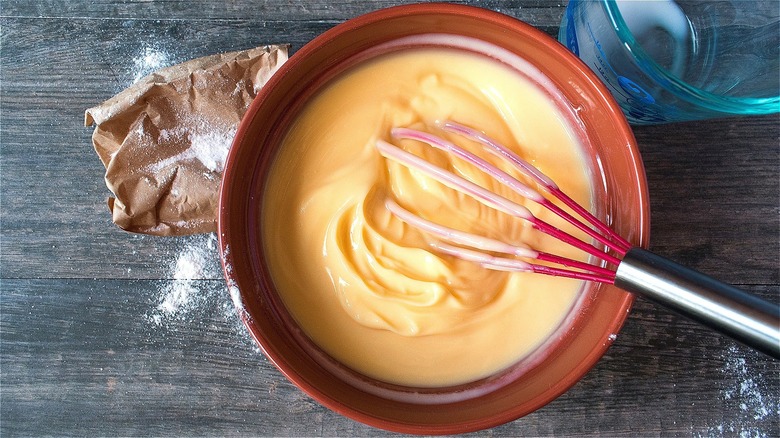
620, 192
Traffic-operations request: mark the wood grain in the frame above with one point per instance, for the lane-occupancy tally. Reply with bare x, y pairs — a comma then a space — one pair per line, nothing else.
87, 347
88, 357
540, 13
714, 196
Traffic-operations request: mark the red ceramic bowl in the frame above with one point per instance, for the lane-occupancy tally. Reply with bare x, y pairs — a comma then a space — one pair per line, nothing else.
620, 193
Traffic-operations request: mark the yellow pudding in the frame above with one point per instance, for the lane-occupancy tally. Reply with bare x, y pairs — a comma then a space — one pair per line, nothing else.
369, 289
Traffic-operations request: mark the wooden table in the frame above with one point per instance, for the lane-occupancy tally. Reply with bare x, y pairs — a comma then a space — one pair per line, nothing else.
90, 346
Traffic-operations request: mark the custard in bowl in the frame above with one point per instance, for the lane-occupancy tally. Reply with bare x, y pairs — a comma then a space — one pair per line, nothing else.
351, 303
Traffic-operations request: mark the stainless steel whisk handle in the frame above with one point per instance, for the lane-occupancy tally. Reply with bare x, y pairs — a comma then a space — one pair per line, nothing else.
722, 307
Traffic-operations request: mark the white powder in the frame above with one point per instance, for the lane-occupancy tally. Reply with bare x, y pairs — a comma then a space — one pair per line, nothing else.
148, 60
211, 148
208, 144
235, 293
747, 388
197, 292
193, 263
196, 281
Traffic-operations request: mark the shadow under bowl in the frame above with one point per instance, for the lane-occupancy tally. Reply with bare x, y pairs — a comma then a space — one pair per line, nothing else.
620, 194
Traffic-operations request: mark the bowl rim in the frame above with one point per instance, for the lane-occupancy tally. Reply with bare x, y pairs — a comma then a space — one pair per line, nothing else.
224, 234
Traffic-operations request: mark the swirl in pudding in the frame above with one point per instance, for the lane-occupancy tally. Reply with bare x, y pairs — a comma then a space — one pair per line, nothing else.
369, 289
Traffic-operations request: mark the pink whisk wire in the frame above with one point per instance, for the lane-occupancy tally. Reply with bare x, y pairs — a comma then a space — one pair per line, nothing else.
621, 245
593, 227
589, 272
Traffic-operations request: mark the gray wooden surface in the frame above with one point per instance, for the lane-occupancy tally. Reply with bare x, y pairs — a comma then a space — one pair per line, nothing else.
90, 346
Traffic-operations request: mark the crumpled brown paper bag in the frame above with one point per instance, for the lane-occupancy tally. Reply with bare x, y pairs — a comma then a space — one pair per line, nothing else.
164, 140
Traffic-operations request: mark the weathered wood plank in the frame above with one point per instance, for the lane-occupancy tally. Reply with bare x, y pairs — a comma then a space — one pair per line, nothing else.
541, 13
89, 358
714, 195
100, 357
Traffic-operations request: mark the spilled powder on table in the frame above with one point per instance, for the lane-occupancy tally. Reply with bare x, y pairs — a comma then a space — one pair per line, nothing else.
752, 392
148, 60
197, 289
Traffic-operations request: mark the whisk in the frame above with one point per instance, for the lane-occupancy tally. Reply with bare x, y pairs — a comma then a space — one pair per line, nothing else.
722, 307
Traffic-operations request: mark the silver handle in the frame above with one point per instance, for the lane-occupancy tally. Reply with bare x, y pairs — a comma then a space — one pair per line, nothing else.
722, 307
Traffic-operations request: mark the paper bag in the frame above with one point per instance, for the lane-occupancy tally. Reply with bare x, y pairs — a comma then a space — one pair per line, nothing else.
164, 140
